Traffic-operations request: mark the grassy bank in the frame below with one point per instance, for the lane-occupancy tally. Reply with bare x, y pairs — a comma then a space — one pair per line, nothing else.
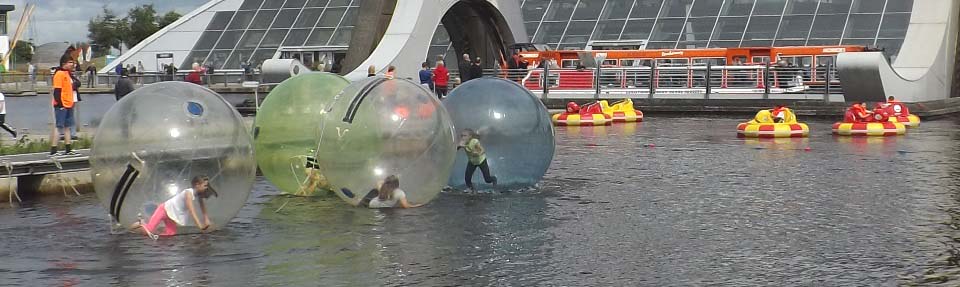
30, 145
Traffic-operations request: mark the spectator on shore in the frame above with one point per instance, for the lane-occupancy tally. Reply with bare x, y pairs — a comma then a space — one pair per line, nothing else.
71, 53
118, 69
63, 96
194, 75
124, 86
208, 70
464, 65
3, 117
77, 83
247, 70
139, 72
476, 70
426, 76
91, 75
391, 72
441, 77
32, 71
171, 71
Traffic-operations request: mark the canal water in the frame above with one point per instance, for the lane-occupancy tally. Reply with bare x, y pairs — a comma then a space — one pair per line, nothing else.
671, 201
34, 112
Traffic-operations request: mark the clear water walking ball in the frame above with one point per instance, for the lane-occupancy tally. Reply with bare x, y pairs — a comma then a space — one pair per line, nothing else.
379, 127
151, 143
286, 131
513, 127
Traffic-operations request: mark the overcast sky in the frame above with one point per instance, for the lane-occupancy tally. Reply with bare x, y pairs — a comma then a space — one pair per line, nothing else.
66, 20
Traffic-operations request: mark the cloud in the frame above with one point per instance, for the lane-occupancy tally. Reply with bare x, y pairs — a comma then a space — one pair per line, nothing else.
66, 20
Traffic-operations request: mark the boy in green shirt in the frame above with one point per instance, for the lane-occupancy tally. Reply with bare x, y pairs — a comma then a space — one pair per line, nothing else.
476, 157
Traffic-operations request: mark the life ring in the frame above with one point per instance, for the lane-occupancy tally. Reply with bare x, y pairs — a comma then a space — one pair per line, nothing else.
574, 119
869, 129
772, 130
910, 120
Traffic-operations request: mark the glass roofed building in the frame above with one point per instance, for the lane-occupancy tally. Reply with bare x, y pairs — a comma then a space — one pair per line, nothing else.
346, 36
226, 33
688, 24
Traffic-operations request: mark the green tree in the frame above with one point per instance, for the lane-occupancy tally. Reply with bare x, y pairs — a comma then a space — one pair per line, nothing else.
23, 52
105, 31
109, 31
142, 21
168, 19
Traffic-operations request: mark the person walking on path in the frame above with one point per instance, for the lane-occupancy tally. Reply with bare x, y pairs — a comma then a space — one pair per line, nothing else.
441, 77
63, 96
3, 117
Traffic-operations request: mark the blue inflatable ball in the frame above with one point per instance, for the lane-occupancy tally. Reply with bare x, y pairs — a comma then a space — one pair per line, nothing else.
511, 124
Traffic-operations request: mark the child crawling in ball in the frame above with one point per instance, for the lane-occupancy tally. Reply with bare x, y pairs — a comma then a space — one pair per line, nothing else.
476, 157
387, 195
179, 209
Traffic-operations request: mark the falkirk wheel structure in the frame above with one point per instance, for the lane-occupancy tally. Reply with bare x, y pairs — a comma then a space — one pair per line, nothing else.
481, 28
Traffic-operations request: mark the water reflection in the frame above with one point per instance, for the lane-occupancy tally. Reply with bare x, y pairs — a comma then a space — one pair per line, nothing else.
584, 131
676, 201
867, 144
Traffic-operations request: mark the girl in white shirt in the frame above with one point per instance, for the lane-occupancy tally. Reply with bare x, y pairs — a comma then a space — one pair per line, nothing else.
388, 195
179, 209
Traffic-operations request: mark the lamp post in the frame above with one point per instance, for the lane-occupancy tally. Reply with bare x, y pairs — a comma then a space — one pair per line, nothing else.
598, 58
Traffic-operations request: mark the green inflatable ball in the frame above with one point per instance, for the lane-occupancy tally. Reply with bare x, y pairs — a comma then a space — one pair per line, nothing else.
286, 131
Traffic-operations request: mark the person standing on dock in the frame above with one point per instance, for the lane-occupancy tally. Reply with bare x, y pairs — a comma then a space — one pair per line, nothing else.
426, 76
140, 71
63, 96
464, 68
476, 70
32, 71
91, 75
124, 86
441, 77
3, 117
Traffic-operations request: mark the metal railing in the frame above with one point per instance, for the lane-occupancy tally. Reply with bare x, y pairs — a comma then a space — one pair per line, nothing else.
23, 82
699, 81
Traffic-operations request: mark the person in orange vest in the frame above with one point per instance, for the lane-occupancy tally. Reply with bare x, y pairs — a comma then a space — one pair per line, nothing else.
898, 109
63, 100
850, 116
778, 113
890, 101
860, 111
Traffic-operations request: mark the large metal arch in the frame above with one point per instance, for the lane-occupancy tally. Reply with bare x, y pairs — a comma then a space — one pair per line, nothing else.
406, 42
923, 70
